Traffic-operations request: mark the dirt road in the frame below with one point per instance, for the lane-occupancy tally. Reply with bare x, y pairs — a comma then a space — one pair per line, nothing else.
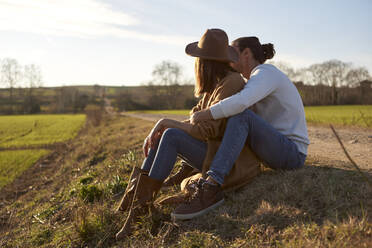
323, 143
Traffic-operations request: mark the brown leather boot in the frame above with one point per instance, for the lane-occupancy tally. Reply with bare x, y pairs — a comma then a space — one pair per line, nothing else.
126, 200
145, 193
184, 172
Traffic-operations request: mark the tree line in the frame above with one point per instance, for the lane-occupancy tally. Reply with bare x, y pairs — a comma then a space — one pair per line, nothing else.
331, 82
24, 93
168, 89
13, 75
326, 83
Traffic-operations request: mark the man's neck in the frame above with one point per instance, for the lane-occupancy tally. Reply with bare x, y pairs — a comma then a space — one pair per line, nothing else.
248, 71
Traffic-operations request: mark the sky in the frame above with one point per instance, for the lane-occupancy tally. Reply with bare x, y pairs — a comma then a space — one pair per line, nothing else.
118, 42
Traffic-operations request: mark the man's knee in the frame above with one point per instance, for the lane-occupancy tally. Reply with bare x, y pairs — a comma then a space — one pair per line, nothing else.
245, 115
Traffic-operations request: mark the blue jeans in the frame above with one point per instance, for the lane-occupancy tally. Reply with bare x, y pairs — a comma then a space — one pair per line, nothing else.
174, 142
272, 147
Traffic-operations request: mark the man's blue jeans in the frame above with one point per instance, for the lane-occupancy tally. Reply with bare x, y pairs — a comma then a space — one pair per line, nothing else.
272, 147
174, 142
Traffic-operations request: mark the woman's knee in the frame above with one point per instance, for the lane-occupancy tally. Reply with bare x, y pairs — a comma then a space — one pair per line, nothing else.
172, 134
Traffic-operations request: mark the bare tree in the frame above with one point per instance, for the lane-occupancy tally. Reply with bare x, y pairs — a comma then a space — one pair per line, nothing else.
11, 74
285, 67
336, 74
168, 74
32, 78
357, 75
331, 73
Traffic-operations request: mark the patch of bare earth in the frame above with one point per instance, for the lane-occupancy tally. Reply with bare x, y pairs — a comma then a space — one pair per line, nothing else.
357, 141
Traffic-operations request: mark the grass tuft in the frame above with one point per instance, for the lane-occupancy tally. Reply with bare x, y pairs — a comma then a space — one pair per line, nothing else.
42, 237
86, 180
90, 193
116, 185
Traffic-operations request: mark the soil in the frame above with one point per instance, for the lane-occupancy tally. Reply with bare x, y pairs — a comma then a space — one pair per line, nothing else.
323, 143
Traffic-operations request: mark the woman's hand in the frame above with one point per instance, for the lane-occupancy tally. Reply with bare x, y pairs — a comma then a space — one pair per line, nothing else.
157, 132
153, 138
202, 115
145, 146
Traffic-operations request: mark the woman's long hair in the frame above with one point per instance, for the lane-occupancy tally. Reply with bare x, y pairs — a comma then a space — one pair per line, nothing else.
208, 74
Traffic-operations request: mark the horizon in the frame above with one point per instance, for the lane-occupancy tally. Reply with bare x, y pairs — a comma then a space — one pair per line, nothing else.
118, 43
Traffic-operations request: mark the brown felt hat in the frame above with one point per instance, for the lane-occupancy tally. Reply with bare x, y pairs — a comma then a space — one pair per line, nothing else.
214, 45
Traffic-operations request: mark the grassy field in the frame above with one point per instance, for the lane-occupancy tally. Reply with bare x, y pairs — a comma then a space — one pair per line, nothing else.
172, 112
321, 205
27, 130
13, 163
354, 115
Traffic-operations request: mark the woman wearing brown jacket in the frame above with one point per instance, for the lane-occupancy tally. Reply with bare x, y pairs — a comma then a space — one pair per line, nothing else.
194, 143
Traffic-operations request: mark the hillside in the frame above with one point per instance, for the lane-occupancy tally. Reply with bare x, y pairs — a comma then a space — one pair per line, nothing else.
67, 200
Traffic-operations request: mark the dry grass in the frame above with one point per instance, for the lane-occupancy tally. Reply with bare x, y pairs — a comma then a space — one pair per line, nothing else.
321, 205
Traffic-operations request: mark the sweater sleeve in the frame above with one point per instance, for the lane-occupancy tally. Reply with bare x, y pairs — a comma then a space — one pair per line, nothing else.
197, 107
261, 84
215, 128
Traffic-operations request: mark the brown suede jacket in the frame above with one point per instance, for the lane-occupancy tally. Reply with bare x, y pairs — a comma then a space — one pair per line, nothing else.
247, 165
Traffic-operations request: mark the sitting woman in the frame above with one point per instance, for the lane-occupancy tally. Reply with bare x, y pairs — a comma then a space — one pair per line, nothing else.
215, 80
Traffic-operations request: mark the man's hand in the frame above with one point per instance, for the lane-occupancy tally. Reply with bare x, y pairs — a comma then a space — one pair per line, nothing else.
202, 115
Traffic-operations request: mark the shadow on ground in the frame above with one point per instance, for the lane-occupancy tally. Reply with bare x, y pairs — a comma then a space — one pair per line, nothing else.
278, 201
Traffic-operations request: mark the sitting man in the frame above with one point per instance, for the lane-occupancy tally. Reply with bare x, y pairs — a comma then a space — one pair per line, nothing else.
275, 131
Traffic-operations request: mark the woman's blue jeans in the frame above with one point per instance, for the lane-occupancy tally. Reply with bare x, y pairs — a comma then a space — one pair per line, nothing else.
272, 147
174, 142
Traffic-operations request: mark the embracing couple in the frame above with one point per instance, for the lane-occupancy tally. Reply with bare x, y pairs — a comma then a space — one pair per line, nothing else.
238, 123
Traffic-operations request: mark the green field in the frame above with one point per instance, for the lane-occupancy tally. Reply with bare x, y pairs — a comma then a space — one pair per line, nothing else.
352, 115
26, 130
31, 130
172, 112
13, 163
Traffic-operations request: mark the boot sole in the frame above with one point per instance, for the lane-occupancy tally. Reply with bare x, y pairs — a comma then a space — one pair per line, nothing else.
196, 214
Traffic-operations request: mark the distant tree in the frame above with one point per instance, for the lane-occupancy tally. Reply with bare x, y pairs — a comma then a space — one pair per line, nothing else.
11, 75
168, 74
79, 101
32, 78
357, 75
287, 69
331, 73
124, 101
157, 97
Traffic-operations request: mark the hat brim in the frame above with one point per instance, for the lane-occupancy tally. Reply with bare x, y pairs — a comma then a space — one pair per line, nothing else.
193, 50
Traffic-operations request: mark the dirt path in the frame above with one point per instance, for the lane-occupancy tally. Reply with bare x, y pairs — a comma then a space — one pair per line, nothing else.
324, 146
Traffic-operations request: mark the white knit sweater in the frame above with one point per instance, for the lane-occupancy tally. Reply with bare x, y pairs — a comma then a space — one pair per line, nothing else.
275, 99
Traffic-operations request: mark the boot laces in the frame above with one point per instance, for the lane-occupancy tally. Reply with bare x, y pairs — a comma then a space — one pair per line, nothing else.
197, 188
